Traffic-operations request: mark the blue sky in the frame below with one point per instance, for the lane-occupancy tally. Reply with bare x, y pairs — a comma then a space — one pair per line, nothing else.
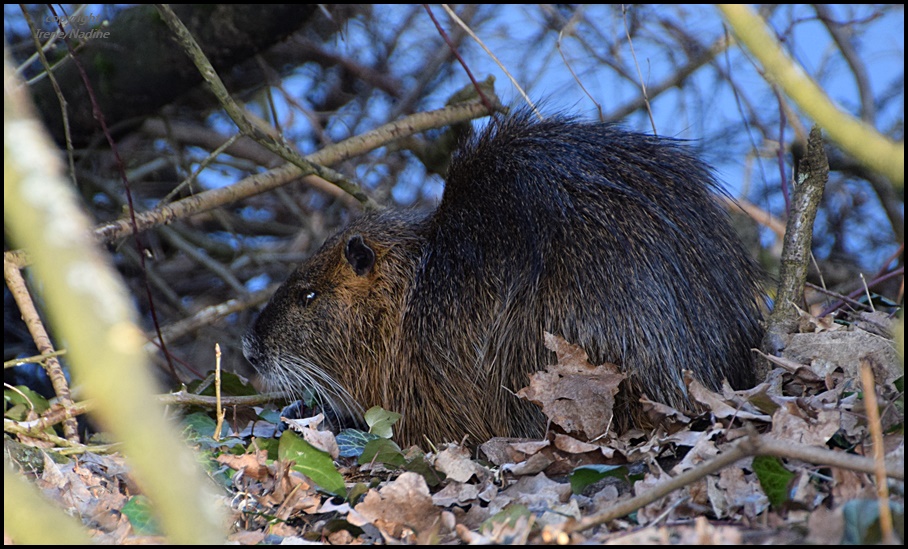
706, 110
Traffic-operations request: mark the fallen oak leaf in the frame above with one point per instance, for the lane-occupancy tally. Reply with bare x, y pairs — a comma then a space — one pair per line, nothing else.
573, 393
400, 509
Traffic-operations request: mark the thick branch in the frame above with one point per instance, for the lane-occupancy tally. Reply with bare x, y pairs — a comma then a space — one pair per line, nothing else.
139, 68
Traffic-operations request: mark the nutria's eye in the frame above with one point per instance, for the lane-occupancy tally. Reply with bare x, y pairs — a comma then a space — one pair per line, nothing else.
308, 297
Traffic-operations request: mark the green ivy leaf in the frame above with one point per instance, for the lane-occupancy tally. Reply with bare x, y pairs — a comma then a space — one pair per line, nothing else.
313, 463
417, 463
270, 445
200, 425
356, 491
352, 442
139, 512
509, 516
380, 421
21, 401
383, 451
774, 479
583, 476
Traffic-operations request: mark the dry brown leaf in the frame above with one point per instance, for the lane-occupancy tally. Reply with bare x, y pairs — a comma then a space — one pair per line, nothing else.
289, 491
530, 446
402, 509
685, 437
813, 427
716, 403
320, 439
571, 445
573, 393
848, 485
252, 465
740, 494
454, 461
499, 450
342, 537
560, 513
304, 498
828, 351
876, 323
701, 533
651, 479
80, 490
532, 465
538, 493
808, 323
659, 413
455, 493
247, 537
500, 532
703, 449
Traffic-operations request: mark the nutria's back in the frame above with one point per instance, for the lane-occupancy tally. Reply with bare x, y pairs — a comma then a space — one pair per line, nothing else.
607, 238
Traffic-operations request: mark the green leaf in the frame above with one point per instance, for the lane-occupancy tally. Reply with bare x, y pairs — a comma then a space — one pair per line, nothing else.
336, 525
270, 445
199, 429
201, 425
583, 476
271, 416
352, 442
509, 515
380, 421
356, 491
313, 463
383, 451
141, 517
774, 479
19, 402
417, 463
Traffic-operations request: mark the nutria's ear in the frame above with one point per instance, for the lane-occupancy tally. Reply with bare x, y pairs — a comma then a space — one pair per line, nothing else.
360, 256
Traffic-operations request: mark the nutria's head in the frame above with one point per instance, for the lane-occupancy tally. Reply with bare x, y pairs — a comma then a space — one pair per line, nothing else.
332, 326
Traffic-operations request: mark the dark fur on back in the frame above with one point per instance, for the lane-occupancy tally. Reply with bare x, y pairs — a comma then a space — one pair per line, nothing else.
608, 238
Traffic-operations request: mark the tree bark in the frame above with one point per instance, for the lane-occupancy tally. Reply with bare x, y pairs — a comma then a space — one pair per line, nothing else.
137, 68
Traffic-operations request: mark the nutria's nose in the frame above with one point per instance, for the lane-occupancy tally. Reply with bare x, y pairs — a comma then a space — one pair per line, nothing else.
252, 349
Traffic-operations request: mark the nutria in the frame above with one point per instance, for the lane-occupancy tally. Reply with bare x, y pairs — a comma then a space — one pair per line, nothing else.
608, 238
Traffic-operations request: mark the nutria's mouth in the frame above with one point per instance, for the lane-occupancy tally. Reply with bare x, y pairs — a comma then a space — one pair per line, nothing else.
303, 380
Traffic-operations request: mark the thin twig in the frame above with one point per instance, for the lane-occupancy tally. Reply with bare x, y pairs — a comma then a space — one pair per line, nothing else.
277, 177
275, 144
750, 446
876, 434
33, 322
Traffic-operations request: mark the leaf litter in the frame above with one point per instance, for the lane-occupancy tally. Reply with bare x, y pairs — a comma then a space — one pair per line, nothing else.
539, 491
